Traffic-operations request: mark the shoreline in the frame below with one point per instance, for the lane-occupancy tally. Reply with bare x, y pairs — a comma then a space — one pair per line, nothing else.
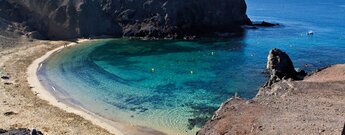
313, 105
44, 94
23, 106
298, 93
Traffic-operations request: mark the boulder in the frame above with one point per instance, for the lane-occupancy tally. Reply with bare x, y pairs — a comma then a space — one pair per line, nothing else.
280, 66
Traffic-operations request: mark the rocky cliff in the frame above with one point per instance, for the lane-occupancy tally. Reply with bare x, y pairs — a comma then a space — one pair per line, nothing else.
63, 19
284, 105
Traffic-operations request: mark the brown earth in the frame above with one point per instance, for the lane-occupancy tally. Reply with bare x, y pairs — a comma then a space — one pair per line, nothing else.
310, 107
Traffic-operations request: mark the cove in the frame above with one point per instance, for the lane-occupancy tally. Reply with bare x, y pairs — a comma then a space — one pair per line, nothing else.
171, 86
175, 86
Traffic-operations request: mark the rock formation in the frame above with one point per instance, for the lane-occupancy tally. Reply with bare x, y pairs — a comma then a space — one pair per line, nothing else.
63, 19
280, 66
240, 116
20, 131
264, 24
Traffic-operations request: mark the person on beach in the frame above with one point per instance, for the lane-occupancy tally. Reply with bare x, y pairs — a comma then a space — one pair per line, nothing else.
65, 45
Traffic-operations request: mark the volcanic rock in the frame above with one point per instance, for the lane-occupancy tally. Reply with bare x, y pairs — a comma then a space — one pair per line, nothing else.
280, 66
264, 24
20, 131
66, 19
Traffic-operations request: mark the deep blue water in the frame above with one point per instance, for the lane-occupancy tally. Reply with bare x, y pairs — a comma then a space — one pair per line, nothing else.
174, 86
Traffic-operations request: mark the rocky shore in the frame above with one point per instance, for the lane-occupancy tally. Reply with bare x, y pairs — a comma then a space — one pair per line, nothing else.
20, 131
68, 19
289, 103
286, 104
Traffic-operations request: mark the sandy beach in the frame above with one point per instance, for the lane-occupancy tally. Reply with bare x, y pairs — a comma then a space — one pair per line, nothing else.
46, 95
23, 102
34, 106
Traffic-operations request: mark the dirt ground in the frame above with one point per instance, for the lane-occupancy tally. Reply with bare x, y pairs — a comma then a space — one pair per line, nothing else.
314, 106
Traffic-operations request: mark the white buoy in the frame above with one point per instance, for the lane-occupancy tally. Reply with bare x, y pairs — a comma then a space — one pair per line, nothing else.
153, 69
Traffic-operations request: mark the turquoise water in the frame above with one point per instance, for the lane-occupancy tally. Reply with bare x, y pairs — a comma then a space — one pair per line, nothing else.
175, 86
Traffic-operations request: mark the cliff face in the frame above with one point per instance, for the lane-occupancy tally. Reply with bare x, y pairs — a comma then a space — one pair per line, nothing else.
142, 18
313, 105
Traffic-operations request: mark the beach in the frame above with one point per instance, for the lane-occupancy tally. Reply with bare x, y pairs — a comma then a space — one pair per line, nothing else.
31, 105
22, 102
44, 94
313, 105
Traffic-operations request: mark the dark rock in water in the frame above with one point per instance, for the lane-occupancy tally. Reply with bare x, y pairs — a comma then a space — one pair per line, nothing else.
65, 19
250, 27
280, 66
197, 122
264, 24
201, 113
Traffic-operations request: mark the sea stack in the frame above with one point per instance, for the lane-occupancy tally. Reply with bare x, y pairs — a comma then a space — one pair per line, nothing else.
235, 116
66, 19
280, 66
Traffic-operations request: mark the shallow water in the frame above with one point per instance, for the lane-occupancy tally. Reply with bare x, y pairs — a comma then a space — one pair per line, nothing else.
175, 86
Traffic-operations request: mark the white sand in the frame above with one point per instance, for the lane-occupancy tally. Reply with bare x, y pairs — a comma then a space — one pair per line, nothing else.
111, 126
